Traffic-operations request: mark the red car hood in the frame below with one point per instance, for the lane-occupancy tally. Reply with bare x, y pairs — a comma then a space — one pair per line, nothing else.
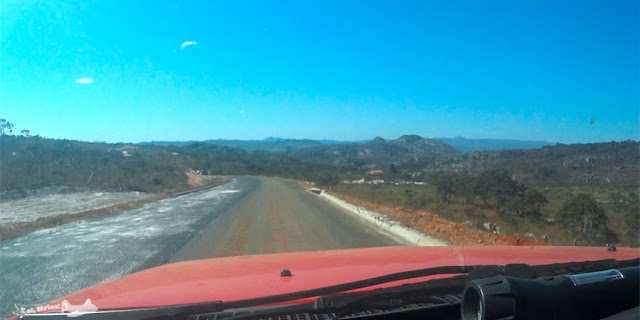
245, 277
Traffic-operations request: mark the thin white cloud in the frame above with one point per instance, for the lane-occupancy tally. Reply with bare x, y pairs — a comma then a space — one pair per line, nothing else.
84, 80
188, 43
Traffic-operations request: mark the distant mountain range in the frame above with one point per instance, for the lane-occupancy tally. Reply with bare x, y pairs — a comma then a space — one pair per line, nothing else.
467, 145
267, 145
273, 144
34, 162
408, 148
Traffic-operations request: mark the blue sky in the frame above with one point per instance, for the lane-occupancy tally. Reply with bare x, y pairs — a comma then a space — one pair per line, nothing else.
346, 70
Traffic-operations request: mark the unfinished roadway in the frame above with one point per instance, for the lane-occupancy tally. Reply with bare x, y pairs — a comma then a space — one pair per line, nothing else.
280, 215
250, 215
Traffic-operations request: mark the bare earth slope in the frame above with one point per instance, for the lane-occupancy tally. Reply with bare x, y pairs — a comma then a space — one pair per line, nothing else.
281, 216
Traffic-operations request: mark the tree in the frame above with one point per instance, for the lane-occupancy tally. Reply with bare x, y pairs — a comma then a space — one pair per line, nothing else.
497, 188
6, 127
392, 169
465, 188
533, 201
528, 205
409, 194
547, 175
444, 183
327, 180
584, 219
632, 220
25, 133
630, 207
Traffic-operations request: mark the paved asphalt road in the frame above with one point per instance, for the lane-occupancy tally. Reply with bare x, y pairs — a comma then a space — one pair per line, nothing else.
279, 215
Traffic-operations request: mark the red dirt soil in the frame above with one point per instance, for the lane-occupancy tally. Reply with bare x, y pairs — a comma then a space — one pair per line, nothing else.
459, 234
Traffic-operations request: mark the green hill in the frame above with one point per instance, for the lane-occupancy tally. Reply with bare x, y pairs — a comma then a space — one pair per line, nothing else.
378, 152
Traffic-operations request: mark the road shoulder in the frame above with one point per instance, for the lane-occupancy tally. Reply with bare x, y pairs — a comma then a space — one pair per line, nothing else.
385, 224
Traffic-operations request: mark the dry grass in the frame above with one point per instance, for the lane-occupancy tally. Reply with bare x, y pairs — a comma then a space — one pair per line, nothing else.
425, 197
461, 234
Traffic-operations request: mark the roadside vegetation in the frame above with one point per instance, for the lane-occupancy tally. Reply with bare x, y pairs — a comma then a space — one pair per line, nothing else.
563, 194
32, 162
495, 202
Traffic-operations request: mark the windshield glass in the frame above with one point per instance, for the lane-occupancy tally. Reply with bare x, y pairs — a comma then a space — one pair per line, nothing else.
140, 134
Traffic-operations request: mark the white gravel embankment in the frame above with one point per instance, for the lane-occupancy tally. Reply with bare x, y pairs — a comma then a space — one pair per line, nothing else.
39, 206
386, 224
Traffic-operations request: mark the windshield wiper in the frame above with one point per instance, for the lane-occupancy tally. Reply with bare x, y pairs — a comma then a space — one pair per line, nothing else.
185, 310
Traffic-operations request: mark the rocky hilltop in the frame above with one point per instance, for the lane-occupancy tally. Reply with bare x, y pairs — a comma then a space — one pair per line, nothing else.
378, 152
